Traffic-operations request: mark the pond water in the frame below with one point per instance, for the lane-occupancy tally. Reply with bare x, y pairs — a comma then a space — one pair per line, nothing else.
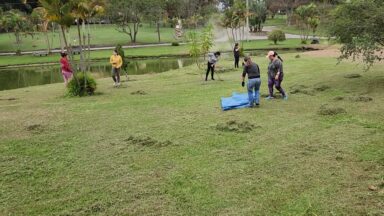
24, 76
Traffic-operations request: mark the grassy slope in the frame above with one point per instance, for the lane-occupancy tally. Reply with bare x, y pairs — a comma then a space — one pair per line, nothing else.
148, 52
281, 23
101, 35
296, 163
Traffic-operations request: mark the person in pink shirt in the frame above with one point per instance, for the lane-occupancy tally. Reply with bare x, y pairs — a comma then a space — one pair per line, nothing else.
66, 70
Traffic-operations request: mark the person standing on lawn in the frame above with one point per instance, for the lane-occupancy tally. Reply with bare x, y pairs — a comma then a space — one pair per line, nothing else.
275, 74
66, 70
212, 60
254, 81
116, 62
236, 54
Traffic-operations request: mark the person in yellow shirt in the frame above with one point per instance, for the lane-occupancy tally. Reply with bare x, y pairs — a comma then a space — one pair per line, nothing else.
116, 62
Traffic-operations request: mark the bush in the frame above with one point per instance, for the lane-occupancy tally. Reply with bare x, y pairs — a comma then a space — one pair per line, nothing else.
76, 87
276, 35
175, 44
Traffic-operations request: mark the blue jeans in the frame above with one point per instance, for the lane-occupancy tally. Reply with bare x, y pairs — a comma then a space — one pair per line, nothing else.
254, 86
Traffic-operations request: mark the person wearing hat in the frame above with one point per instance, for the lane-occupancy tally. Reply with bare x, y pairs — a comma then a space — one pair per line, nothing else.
253, 71
212, 60
275, 74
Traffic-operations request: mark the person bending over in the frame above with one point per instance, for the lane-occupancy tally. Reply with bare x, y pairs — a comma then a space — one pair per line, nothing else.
212, 60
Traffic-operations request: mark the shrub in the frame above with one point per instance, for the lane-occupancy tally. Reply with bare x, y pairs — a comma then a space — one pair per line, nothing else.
77, 87
276, 35
175, 44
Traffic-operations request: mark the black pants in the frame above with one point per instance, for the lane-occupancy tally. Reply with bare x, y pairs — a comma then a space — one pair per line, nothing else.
237, 60
116, 75
210, 67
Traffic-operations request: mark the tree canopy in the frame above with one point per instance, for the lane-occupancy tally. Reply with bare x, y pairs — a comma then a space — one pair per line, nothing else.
359, 26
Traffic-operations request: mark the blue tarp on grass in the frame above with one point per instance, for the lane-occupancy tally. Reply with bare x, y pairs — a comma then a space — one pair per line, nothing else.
237, 101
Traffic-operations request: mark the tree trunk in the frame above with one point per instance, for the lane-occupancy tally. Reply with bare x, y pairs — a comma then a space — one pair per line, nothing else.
69, 50
48, 44
80, 46
62, 46
136, 30
89, 47
158, 30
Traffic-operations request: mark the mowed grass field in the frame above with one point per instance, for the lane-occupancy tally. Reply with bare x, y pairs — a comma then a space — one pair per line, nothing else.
101, 35
159, 51
160, 145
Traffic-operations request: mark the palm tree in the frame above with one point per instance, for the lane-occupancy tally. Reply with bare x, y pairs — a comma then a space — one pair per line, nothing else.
40, 19
59, 11
84, 10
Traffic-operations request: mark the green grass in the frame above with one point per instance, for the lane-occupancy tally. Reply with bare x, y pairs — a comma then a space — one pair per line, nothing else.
150, 52
102, 35
280, 21
72, 156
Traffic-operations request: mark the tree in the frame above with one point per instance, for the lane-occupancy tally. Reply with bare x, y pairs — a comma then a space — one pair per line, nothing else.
258, 15
17, 22
155, 13
127, 15
276, 35
40, 20
234, 19
200, 44
60, 12
307, 15
89, 9
359, 26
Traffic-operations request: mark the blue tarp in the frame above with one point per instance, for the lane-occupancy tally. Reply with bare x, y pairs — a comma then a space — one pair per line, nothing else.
237, 101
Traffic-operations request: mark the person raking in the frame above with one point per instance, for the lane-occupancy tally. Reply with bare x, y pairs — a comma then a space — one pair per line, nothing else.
116, 62
212, 60
253, 86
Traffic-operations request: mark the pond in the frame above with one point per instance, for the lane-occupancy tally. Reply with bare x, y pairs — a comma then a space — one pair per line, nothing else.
24, 76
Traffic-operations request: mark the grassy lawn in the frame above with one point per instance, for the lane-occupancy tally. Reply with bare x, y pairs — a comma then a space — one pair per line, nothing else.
172, 151
102, 35
150, 52
280, 21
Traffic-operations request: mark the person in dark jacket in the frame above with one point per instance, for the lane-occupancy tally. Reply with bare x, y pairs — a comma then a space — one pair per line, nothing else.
275, 74
253, 71
236, 54
212, 60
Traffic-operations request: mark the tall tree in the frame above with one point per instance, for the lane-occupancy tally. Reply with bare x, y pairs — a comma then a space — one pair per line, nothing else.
40, 20
307, 15
17, 22
258, 15
60, 12
155, 13
359, 26
127, 15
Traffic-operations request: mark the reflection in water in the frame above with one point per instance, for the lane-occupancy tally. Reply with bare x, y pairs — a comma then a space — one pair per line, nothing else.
19, 77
